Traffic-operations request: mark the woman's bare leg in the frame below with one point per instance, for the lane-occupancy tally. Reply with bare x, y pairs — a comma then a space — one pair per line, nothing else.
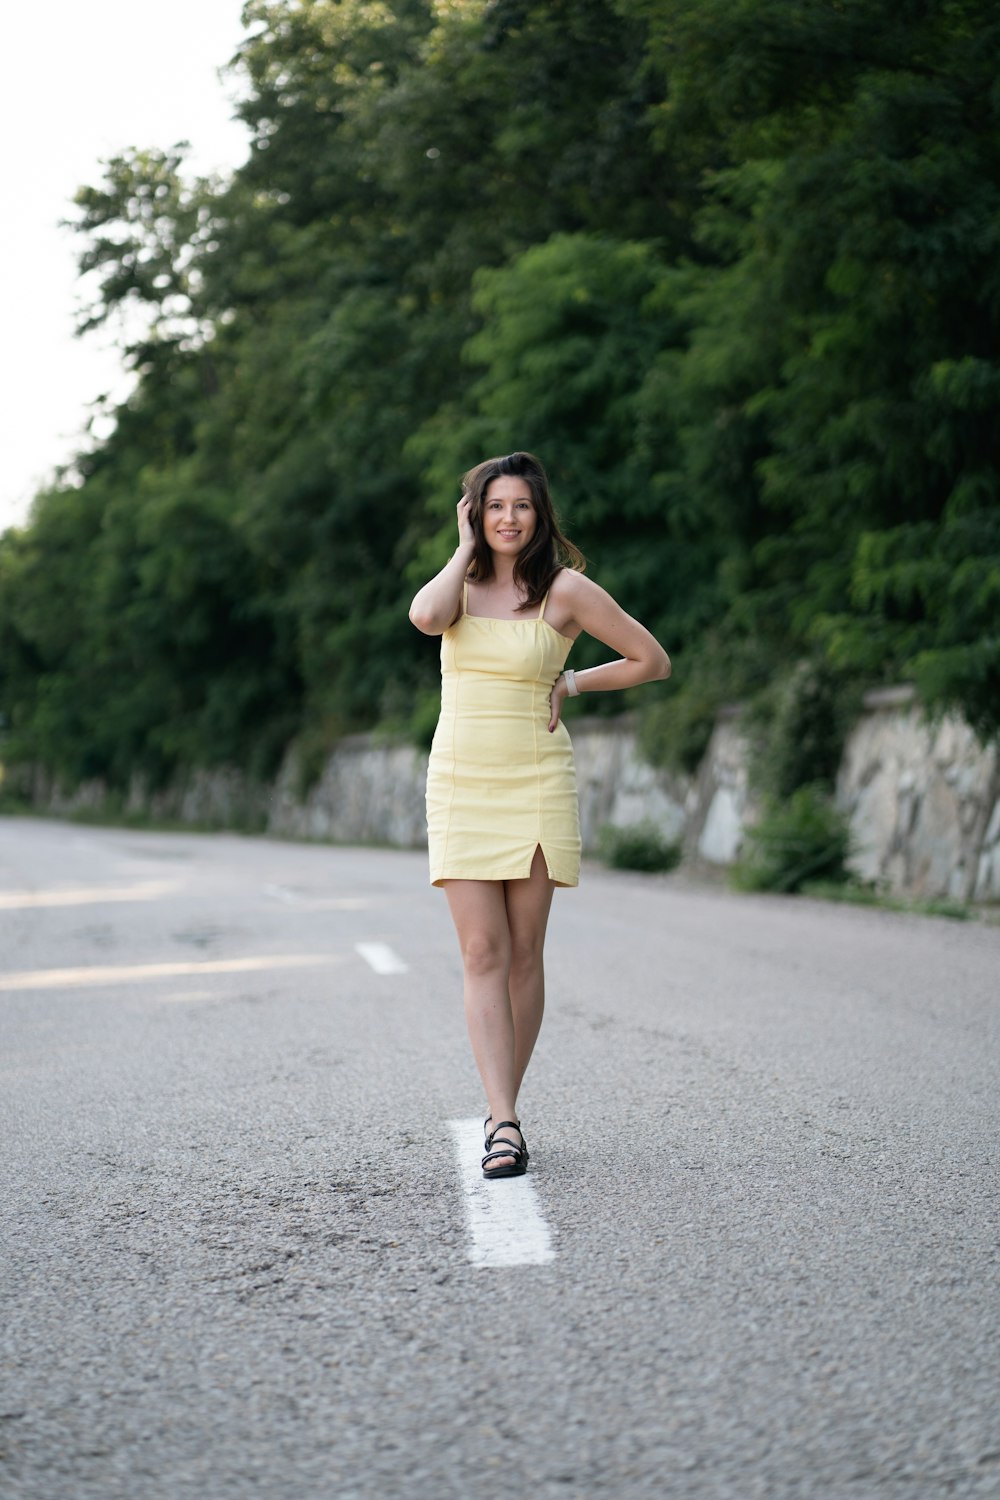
528, 903
501, 933
479, 912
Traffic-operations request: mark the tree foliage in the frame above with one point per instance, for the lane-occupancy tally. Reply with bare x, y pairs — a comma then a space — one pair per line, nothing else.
729, 266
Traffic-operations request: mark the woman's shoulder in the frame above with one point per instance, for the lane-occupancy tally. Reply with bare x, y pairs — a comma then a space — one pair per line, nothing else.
572, 601
570, 585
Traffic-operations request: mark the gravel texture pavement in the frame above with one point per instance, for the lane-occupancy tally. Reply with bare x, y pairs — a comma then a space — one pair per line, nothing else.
236, 1264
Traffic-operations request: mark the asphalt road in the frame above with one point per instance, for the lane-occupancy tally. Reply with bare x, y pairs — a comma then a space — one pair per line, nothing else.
236, 1258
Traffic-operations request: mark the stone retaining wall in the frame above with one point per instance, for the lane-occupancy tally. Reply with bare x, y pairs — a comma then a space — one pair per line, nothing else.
369, 793
922, 797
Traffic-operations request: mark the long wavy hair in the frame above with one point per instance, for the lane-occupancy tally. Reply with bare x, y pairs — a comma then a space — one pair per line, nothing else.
546, 553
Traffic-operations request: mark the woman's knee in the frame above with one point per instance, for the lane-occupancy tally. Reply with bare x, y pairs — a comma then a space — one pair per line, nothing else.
485, 953
526, 954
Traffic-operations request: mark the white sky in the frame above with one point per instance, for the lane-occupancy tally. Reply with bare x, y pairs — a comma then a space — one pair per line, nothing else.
82, 82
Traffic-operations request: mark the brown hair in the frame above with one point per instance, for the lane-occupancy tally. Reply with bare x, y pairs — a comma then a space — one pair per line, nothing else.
546, 553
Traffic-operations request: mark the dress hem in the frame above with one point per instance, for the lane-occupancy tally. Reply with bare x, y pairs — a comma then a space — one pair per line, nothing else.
567, 885
570, 877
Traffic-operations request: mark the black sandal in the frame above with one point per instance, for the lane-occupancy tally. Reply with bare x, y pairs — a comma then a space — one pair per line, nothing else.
487, 1133
506, 1148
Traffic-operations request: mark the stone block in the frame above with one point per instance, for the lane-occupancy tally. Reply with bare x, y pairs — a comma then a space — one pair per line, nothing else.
988, 875
873, 817
992, 835
722, 833
935, 844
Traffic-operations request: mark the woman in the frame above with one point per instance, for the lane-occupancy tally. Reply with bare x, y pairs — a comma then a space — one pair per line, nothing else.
502, 815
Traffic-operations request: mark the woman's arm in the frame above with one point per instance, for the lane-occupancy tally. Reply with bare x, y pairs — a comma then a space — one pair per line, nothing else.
643, 659
437, 604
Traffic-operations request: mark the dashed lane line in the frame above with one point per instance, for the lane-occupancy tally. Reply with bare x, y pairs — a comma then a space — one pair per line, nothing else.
505, 1219
89, 895
381, 958
56, 979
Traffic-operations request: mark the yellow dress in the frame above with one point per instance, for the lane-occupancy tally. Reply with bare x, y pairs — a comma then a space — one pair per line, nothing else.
498, 784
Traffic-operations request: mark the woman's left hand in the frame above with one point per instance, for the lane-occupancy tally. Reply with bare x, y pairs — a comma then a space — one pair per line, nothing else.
557, 697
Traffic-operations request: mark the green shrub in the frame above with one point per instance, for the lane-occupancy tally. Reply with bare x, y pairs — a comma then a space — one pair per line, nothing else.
803, 839
674, 730
723, 669
313, 747
641, 846
797, 725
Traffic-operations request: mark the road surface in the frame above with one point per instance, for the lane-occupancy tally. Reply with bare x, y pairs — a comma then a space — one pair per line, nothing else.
756, 1253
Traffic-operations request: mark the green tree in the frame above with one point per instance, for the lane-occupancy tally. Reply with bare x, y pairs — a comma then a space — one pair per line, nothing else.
729, 266
837, 397
569, 331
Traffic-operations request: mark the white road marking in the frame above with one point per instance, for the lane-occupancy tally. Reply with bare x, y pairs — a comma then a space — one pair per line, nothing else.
381, 958
55, 979
506, 1223
89, 895
282, 893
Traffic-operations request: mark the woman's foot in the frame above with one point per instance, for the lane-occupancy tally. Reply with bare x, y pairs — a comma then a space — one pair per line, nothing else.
486, 1136
499, 1162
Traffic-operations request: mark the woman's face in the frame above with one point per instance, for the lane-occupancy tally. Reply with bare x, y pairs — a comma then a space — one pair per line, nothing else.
509, 515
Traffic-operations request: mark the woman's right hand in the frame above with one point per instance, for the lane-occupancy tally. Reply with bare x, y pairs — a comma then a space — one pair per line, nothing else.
557, 697
466, 535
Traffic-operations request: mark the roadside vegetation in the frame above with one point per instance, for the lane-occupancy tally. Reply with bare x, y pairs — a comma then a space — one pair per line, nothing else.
730, 268
639, 846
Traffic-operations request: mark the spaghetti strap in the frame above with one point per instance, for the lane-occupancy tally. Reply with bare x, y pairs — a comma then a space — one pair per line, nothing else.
541, 612
465, 597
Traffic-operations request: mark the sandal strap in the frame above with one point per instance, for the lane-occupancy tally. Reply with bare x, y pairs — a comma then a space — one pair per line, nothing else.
522, 1149
495, 1142
509, 1150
